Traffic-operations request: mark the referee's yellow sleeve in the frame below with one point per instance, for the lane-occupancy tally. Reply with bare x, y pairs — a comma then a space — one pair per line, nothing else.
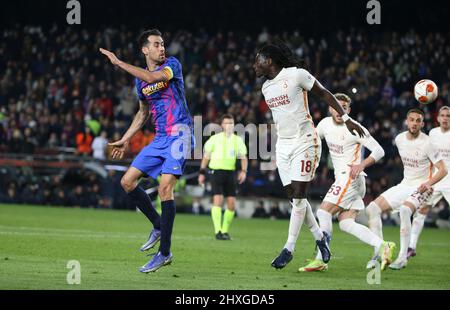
209, 145
242, 149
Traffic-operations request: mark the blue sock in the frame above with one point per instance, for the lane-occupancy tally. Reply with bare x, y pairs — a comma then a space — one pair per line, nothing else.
167, 219
142, 200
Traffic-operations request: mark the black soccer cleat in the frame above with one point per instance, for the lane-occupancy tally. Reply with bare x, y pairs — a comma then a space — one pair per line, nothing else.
219, 236
226, 236
282, 260
324, 247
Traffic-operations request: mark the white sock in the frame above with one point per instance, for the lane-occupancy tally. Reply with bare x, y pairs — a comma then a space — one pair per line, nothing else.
417, 226
297, 217
361, 232
312, 223
326, 225
373, 211
405, 231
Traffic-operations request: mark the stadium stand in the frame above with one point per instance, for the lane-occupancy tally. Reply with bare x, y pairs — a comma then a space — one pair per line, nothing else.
57, 94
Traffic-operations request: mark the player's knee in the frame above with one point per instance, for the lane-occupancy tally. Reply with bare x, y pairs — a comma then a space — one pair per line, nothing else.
346, 225
424, 210
373, 210
323, 214
231, 204
406, 212
298, 193
289, 192
299, 204
165, 192
127, 184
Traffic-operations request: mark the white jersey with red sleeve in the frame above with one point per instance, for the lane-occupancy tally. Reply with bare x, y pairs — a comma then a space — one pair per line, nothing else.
286, 96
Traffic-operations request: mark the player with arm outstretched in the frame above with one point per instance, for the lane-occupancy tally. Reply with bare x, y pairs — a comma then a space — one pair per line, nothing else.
418, 156
160, 88
298, 147
345, 196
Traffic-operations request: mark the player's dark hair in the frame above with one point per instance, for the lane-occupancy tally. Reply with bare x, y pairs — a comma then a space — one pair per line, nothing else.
143, 37
280, 54
415, 110
343, 97
226, 116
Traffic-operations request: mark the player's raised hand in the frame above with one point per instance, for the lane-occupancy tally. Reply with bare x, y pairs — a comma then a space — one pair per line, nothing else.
354, 126
119, 149
112, 57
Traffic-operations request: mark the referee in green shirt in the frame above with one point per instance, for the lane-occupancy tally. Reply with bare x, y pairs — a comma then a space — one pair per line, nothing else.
221, 151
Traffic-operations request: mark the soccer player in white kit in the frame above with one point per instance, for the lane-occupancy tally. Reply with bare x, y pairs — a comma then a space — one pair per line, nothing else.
440, 138
298, 147
347, 192
418, 156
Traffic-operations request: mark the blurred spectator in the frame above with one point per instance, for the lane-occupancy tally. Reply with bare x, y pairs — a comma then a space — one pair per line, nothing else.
29, 142
84, 142
276, 213
11, 195
60, 198
93, 124
78, 198
147, 137
16, 142
32, 195
53, 141
94, 196
260, 211
136, 143
99, 146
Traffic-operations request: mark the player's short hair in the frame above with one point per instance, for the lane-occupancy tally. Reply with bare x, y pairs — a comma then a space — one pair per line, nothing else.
445, 107
280, 54
143, 37
343, 97
226, 116
415, 110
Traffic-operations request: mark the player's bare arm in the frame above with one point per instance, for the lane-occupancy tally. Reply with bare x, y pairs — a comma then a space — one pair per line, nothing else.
243, 173
142, 74
328, 97
376, 155
121, 146
203, 165
441, 173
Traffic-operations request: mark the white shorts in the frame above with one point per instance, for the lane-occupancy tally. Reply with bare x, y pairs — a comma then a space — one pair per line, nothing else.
297, 160
441, 190
397, 195
347, 193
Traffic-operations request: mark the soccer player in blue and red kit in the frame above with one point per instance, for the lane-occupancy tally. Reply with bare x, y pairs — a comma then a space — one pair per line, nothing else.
160, 88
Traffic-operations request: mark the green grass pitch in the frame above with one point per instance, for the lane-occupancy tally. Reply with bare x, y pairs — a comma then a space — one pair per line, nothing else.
37, 242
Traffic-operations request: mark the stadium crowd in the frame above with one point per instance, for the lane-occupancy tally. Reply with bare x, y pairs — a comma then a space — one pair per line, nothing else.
56, 90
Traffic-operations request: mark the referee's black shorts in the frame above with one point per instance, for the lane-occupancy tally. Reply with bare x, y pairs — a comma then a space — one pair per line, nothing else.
223, 182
